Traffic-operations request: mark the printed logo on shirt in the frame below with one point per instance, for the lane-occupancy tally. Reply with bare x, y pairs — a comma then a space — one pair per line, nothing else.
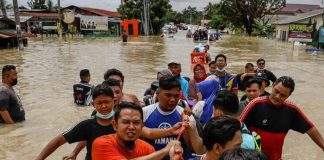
264, 122
165, 140
164, 125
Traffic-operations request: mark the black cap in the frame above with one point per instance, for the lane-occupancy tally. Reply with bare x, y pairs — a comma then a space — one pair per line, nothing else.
262, 76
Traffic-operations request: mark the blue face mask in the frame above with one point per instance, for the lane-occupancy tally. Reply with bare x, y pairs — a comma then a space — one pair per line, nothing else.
105, 116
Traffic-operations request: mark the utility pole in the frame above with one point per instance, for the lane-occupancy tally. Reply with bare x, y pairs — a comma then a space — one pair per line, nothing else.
59, 26
18, 29
3, 8
146, 23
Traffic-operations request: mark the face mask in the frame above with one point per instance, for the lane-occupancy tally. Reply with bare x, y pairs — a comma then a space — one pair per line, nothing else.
221, 70
105, 116
14, 82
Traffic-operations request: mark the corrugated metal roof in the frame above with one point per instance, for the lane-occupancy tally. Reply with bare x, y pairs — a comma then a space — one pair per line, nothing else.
22, 18
303, 7
300, 17
35, 14
102, 12
293, 9
11, 33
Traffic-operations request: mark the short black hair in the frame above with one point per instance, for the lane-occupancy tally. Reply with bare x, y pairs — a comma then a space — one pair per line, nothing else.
111, 82
220, 130
287, 82
7, 68
220, 55
168, 82
211, 63
127, 105
227, 102
248, 65
243, 154
260, 59
114, 71
102, 89
251, 81
84, 73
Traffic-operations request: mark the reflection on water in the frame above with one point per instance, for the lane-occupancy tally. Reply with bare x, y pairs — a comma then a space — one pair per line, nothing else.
48, 68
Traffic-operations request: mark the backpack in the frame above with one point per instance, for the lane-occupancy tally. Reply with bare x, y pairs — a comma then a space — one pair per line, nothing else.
256, 137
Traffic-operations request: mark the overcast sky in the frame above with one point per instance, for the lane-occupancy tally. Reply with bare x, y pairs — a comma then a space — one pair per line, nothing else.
176, 4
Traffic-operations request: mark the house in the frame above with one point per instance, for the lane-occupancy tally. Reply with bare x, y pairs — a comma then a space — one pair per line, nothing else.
298, 28
8, 34
293, 9
92, 20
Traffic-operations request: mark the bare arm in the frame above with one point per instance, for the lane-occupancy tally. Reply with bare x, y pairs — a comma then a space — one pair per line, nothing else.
155, 133
195, 140
51, 147
6, 117
160, 153
316, 137
76, 151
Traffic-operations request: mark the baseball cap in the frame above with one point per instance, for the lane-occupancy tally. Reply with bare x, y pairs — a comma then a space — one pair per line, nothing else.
262, 76
174, 63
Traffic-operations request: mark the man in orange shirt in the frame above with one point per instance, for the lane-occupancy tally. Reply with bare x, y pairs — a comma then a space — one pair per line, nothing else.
125, 144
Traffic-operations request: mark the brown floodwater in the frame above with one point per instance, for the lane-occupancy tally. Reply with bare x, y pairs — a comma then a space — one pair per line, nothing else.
49, 67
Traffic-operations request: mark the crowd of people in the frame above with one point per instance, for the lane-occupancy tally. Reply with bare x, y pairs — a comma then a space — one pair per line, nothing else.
198, 118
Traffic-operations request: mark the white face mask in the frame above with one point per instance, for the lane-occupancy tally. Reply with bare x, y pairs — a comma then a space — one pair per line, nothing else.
105, 116
221, 70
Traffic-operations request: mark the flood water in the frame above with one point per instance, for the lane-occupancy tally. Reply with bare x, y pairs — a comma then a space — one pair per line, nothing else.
48, 68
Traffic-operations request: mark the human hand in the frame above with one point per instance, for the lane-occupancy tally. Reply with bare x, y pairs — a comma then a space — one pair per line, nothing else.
71, 156
170, 145
175, 130
174, 152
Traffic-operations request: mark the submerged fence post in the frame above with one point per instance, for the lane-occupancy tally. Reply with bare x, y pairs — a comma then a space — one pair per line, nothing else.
18, 29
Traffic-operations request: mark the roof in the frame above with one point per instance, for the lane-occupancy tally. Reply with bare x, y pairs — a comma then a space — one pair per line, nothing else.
36, 14
300, 17
102, 12
297, 8
11, 33
22, 18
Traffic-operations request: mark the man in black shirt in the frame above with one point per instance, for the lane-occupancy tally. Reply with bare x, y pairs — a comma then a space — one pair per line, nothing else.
11, 109
261, 68
88, 130
82, 91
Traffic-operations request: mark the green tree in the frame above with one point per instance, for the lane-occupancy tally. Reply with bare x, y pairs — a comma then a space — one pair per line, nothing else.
210, 10
37, 4
246, 12
217, 22
191, 15
133, 9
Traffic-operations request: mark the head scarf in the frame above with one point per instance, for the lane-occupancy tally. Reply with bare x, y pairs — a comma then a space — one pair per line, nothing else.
197, 79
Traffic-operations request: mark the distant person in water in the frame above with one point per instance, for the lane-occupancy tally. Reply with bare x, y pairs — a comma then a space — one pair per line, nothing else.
11, 109
82, 92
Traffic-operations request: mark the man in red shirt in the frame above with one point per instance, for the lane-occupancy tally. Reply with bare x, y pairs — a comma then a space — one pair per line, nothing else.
125, 144
273, 116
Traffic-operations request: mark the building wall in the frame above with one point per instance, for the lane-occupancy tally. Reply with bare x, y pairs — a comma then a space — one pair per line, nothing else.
282, 32
283, 29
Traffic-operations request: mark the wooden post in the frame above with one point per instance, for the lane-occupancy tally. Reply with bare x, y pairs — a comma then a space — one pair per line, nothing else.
59, 18
18, 29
